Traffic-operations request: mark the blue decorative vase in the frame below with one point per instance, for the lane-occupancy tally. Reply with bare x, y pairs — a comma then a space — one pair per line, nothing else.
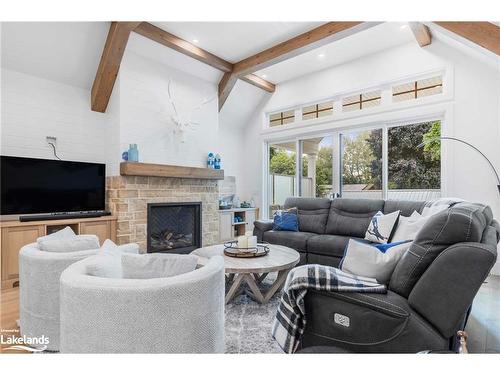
133, 153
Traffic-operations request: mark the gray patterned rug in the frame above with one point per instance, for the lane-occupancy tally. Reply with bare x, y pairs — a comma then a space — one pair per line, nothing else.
248, 325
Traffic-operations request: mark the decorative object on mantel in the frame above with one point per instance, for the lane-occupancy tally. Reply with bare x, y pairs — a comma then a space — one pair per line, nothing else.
183, 121
133, 153
125, 155
211, 160
174, 171
217, 161
439, 139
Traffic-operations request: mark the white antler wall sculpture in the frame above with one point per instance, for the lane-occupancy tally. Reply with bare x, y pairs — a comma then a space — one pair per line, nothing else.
183, 121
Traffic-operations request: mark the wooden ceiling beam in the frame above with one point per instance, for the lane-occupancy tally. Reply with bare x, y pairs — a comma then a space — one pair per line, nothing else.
180, 45
109, 65
302, 43
485, 34
422, 33
259, 82
226, 84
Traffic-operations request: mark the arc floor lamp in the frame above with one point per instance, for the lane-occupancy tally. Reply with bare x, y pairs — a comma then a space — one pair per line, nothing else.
439, 139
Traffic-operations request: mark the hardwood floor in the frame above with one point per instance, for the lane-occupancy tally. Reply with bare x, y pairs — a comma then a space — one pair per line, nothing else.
483, 326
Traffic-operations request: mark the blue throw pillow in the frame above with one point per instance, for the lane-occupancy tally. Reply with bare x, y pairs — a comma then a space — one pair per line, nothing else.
286, 221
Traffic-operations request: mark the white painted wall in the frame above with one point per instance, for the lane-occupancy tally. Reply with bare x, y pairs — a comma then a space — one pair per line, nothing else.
33, 108
145, 112
141, 97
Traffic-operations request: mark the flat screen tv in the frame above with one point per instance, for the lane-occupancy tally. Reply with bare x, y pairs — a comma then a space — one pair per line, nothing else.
40, 186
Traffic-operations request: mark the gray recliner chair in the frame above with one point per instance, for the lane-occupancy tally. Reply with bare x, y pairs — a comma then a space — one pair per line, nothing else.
429, 294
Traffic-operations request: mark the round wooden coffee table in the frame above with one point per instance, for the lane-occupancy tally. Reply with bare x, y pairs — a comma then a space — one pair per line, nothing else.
253, 271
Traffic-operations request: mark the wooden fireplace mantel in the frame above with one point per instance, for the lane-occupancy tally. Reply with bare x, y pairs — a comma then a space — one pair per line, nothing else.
163, 170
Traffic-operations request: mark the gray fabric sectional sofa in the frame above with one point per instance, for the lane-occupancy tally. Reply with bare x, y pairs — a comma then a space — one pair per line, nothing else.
430, 291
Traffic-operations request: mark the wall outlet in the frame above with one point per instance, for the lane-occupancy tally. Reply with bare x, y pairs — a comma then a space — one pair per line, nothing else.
51, 139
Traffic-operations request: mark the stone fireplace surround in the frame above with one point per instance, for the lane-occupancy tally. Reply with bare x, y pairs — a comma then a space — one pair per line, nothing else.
127, 198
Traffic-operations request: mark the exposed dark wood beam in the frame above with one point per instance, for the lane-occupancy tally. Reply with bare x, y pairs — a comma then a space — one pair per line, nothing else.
485, 34
315, 38
226, 84
422, 33
259, 82
109, 65
180, 45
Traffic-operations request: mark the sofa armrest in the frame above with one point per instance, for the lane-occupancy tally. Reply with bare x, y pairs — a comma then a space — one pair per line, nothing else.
261, 226
343, 316
366, 322
447, 288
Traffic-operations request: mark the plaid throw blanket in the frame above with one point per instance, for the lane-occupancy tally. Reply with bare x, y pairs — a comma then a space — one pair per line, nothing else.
290, 320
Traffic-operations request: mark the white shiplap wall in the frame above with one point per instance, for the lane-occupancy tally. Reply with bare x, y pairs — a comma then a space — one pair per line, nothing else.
33, 108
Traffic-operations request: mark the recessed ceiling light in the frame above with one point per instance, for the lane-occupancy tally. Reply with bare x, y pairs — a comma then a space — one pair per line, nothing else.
402, 27
196, 41
263, 75
321, 55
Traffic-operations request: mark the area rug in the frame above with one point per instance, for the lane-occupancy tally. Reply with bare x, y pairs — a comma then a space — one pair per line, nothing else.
248, 325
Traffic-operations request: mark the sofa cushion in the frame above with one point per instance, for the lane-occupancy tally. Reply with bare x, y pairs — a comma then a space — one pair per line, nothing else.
382, 227
295, 240
351, 217
286, 220
312, 213
329, 244
464, 222
377, 261
406, 207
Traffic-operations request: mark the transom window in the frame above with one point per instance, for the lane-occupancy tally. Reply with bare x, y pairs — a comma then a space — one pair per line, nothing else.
281, 118
361, 101
417, 89
317, 110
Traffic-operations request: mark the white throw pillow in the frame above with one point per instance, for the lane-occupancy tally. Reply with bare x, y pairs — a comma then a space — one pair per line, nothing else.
105, 265
151, 266
65, 233
408, 227
109, 247
108, 263
70, 244
377, 261
381, 227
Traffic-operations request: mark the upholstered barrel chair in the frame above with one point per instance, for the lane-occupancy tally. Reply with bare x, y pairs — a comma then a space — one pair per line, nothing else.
39, 273
178, 314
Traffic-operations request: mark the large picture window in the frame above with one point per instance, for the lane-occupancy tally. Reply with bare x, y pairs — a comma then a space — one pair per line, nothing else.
362, 164
382, 162
414, 172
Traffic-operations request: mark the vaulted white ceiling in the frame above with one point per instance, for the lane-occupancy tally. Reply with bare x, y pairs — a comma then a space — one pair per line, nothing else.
69, 52
66, 52
234, 41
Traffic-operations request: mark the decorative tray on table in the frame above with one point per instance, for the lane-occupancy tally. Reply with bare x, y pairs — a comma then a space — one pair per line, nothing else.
231, 249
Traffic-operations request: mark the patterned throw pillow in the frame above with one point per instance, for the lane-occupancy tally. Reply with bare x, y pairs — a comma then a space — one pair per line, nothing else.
381, 227
377, 261
286, 220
